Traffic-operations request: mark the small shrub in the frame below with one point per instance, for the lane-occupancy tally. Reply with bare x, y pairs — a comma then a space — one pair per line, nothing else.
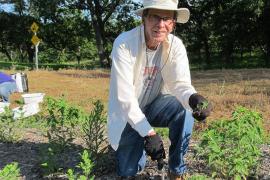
232, 147
198, 177
164, 132
61, 120
8, 125
94, 132
86, 166
10, 172
50, 164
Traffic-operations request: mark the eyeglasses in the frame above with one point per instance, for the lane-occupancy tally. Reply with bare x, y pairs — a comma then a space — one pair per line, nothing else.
156, 19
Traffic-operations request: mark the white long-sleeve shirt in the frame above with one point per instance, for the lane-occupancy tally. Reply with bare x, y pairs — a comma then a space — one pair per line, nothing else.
128, 56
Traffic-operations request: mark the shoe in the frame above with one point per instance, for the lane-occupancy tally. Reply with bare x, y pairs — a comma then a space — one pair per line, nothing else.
173, 176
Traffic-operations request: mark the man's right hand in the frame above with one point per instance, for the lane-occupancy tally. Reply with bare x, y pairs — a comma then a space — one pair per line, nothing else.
154, 148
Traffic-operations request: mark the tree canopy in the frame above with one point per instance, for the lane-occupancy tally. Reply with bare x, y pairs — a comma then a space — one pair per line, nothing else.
219, 32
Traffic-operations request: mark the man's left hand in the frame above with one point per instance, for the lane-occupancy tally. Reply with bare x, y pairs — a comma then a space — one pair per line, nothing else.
201, 106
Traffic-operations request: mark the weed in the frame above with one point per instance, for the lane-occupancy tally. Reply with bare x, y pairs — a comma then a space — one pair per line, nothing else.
202, 106
164, 132
10, 172
61, 121
50, 164
86, 166
94, 132
232, 147
198, 177
8, 125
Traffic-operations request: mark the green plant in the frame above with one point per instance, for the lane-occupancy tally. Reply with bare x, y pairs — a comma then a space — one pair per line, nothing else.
8, 125
203, 105
61, 120
10, 172
198, 177
86, 166
232, 147
94, 131
50, 164
164, 132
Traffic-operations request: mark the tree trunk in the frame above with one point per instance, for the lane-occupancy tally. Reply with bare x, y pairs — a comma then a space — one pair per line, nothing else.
21, 53
99, 42
31, 53
266, 24
227, 54
207, 51
7, 54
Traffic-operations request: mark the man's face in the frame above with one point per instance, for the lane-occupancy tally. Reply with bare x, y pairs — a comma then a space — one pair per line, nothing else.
158, 24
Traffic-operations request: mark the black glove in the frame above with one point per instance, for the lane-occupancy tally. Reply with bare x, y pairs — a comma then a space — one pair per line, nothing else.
200, 106
153, 146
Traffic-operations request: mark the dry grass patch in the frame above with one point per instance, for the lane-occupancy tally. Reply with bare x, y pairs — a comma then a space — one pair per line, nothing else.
225, 88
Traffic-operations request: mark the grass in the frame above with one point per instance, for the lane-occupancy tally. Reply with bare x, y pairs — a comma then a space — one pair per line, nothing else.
224, 88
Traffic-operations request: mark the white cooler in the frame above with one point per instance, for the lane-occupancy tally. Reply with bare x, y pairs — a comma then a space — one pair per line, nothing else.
26, 110
33, 98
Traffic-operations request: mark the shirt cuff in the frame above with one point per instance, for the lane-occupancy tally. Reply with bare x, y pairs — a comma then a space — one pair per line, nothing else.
143, 127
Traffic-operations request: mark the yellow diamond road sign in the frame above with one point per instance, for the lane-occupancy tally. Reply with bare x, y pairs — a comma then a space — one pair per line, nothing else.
34, 27
35, 40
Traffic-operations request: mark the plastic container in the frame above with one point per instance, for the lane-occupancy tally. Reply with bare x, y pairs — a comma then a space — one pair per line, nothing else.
33, 98
26, 110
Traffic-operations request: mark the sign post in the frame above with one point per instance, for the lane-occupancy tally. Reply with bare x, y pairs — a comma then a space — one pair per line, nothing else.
35, 40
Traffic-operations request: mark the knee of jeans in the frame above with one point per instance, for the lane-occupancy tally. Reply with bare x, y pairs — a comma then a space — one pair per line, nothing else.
176, 107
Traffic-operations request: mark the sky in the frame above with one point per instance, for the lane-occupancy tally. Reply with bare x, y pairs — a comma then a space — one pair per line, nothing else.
6, 7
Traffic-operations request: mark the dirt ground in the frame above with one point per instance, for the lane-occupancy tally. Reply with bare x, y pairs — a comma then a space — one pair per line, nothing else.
226, 89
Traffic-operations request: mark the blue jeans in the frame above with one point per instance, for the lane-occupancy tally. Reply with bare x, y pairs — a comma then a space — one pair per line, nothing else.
164, 111
6, 89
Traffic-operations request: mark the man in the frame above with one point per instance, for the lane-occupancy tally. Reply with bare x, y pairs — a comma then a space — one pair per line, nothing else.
7, 86
151, 87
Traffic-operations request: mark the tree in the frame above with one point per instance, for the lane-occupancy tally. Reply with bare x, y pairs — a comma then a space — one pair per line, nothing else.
233, 25
100, 13
199, 26
266, 31
15, 31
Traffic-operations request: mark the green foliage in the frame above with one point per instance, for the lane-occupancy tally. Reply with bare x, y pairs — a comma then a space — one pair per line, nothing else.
49, 157
94, 132
86, 166
164, 132
232, 147
8, 131
61, 120
198, 177
10, 172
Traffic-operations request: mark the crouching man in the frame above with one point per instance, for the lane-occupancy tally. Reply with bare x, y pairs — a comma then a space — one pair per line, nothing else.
151, 87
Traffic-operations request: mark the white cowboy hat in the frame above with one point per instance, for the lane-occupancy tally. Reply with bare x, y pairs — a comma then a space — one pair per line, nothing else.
182, 13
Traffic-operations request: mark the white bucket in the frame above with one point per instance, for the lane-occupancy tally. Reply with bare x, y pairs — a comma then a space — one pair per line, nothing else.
26, 110
33, 98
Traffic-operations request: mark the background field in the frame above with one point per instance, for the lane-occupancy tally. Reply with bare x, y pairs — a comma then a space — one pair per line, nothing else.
226, 89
